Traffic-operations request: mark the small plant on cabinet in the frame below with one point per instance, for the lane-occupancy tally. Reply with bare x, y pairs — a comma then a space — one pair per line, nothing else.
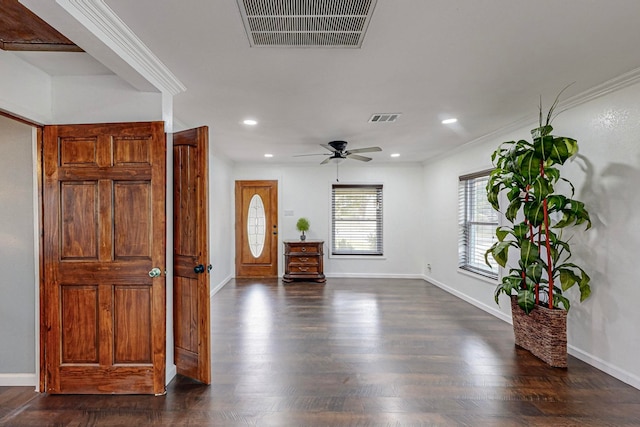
302, 225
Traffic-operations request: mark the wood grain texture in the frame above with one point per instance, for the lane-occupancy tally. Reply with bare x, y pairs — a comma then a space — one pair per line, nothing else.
22, 30
79, 321
353, 352
191, 298
266, 264
104, 230
303, 260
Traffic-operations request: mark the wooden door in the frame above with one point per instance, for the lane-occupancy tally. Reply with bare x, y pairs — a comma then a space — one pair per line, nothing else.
104, 233
256, 229
191, 254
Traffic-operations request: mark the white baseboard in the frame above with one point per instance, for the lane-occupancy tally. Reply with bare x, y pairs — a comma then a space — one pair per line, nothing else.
604, 366
372, 276
19, 380
482, 306
219, 286
171, 373
590, 359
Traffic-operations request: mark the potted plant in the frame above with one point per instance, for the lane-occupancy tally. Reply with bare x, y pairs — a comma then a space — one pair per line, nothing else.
540, 272
302, 225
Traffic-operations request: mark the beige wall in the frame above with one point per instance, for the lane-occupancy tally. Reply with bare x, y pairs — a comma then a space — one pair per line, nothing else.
17, 252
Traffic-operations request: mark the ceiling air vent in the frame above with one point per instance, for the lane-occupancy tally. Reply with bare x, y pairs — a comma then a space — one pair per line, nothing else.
306, 23
384, 118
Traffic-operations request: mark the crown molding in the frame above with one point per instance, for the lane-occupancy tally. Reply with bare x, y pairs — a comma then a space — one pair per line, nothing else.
613, 85
98, 18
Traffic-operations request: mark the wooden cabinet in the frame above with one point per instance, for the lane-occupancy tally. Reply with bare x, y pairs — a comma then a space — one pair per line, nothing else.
303, 260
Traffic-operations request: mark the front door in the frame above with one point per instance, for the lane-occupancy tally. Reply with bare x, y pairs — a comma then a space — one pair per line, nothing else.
256, 229
104, 256
191, 254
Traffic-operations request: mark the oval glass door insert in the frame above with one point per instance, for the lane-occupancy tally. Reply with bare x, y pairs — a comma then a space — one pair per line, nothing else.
256, 227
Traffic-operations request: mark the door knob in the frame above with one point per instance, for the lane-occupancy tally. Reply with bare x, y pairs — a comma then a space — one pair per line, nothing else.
155, 272
199, 268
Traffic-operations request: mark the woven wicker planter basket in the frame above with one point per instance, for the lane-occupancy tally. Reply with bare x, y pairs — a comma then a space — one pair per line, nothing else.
543, 332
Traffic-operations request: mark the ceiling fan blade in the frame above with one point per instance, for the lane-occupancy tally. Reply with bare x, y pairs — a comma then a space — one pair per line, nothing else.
365, 150
325, 161
328, 147
316, 154
357, 157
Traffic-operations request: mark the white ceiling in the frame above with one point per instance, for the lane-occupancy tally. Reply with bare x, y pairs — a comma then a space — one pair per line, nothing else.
485, 62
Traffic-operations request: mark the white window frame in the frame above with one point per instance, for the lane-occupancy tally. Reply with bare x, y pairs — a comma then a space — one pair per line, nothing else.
378, 252
471, 250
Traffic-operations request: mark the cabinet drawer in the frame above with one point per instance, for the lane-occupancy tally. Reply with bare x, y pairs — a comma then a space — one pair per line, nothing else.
302, 247
303, 268
306, 260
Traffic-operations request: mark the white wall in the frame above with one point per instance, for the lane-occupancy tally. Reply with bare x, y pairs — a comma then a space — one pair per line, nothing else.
17, 254
102, 99
603, 329
441, 226
221, 231
306, 191
25, 91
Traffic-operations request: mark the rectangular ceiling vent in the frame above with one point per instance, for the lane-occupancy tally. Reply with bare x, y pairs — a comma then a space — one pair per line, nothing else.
384, 118
306, 23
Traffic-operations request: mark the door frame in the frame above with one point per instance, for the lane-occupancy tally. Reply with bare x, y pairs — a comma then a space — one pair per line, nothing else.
138, 369
40, 330
36, 168
38, 284
239, 224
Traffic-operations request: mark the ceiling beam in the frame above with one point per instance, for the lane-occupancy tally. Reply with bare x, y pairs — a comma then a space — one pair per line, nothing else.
22, 30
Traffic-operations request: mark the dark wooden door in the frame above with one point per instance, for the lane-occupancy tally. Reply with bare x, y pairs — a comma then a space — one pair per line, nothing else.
256, 228
104, 237
191, 254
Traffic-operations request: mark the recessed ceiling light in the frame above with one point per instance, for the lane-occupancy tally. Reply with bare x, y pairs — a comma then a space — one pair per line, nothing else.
250, 122
449, 121
395, 155
268, 155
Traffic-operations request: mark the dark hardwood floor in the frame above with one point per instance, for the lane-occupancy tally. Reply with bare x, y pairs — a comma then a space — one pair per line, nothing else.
352, 352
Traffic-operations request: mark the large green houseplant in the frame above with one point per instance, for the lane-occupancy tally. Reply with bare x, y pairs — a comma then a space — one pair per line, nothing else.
528, 173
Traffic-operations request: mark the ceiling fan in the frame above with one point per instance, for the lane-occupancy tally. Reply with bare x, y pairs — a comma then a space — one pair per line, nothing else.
339, 152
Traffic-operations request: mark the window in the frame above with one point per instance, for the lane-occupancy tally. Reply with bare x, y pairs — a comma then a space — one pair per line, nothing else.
477, 221
356, 219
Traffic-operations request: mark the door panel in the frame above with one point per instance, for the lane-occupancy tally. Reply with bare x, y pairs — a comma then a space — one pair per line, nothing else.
79, 306
132, 222
191, 299
80, 238
132, 337
104, 230
251, 229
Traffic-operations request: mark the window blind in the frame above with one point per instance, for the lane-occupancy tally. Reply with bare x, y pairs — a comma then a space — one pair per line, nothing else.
477, 222
356, 219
